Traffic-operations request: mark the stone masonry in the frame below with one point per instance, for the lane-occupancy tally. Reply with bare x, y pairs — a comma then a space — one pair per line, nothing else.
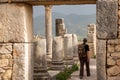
108, 42
16, 41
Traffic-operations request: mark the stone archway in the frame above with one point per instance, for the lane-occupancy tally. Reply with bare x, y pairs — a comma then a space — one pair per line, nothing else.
15, 35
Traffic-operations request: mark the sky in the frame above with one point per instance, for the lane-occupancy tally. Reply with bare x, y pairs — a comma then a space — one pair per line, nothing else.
67, 9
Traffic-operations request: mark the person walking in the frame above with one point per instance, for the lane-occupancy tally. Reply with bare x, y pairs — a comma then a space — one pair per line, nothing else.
84, 57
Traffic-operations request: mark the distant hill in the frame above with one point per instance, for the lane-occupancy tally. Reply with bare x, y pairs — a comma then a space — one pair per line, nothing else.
73, 23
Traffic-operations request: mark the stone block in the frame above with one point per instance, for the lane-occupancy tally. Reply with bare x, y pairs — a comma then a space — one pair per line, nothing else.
16, 22
118, 62
2, 70
101, 59
7, 75
110, 48
23, 57
117, 48
114, 78
107, 19
113, 42
6, 56
115, 55
110, 62
113, 71
4, 62
90, 38
5, 48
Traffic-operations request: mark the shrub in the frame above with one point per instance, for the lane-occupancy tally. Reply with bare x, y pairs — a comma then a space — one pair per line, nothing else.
67, 72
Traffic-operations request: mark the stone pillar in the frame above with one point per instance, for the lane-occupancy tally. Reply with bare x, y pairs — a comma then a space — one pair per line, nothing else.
107, 43
57, 55
75, 47
16, 41
92, 39
40, 61
60, 27
68, 49
48, 31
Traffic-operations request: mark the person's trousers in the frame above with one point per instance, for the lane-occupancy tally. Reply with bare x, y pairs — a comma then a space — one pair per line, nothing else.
85, 61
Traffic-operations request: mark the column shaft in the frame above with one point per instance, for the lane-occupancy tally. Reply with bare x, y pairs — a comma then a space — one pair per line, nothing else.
48, 30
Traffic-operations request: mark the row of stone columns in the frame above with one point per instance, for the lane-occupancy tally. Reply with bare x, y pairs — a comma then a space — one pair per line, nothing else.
62, 54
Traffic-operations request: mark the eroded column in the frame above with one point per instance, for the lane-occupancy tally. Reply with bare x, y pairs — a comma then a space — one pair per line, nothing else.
91, 35
57, 55
40, 62
68, 49
48, 30
16, 41
75, 47
60, 27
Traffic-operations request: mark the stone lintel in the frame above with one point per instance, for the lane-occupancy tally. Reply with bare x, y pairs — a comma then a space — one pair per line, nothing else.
52, 2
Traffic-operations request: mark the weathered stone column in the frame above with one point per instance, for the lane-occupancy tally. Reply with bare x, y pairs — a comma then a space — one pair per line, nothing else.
68, 49
91, 35
75, 47
40, 61
48, 31
60, 27
16, 41
57, 55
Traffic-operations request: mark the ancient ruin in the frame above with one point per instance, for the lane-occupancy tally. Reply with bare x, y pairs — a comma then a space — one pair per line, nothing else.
16, 52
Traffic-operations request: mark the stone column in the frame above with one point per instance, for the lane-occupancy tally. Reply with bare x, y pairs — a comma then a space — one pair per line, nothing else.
57, 55
48, 31
16, 41
40, 62
68, 49
92, 39
60, 27
75, 47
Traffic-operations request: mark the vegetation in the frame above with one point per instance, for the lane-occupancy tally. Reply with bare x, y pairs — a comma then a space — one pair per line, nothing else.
67, 72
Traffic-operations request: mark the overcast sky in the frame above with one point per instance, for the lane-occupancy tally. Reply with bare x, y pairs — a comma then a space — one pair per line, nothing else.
68, 9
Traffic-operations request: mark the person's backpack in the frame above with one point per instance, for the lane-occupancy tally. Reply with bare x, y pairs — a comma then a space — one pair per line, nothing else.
81, 50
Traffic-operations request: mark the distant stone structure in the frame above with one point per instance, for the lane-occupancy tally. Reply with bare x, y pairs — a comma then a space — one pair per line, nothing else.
91, 35
60, 27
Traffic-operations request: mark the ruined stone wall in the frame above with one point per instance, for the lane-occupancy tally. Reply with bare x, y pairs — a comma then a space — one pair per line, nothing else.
113, 53
15, 41
108, 42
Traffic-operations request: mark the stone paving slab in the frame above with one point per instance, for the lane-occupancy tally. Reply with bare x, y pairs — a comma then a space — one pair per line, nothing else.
75, 75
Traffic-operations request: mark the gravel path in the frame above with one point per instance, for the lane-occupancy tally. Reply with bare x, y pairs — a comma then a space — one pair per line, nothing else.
75, 75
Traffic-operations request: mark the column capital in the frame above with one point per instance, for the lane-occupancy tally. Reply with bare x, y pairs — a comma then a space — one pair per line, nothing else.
48, 7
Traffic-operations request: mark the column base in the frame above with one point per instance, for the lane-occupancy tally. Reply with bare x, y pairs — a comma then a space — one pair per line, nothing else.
49, 60
56, 65
41, 74
68, 61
